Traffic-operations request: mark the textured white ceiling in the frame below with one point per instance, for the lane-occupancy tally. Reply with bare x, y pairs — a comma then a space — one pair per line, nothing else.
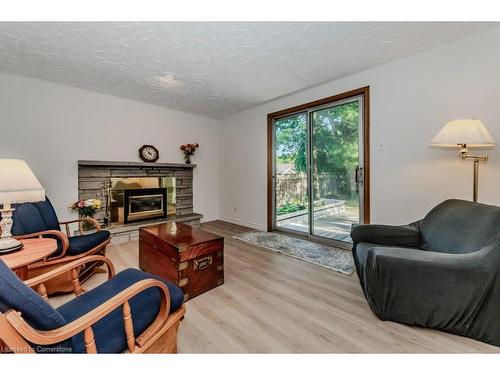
222, 68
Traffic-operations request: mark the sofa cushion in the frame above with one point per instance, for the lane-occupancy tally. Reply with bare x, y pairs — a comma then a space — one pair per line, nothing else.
459, 227
109, 332
82, 244
34, 217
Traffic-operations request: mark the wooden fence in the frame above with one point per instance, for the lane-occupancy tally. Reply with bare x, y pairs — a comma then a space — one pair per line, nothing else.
293, 187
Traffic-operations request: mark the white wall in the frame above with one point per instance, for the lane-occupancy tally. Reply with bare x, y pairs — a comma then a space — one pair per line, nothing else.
51, 126
411, 99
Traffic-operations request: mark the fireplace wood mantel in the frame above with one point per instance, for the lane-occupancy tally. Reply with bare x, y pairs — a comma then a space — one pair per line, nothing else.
128, 164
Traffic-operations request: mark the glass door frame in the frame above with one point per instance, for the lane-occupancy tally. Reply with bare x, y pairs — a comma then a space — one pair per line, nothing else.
361, 94
310, 112
273, 161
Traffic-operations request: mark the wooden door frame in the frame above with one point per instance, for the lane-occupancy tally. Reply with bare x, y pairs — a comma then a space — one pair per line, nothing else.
363, 91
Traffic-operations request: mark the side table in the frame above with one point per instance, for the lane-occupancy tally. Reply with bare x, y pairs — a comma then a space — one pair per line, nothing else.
34, 249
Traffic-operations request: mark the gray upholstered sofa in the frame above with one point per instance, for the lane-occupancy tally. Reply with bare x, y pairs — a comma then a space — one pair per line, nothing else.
440, 272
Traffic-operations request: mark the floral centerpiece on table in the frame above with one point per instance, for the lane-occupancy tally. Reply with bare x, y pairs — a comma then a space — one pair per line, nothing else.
189, 150
86, 207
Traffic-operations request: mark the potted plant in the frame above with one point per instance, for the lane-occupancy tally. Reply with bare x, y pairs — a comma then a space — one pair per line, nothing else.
86, 208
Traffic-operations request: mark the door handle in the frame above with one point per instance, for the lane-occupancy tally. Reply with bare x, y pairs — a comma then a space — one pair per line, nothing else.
358, 176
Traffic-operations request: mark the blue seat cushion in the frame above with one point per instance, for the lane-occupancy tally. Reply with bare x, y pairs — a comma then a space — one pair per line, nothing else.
109, 332
82, 244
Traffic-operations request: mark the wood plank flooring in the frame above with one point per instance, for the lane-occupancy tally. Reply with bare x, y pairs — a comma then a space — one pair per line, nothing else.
272, 303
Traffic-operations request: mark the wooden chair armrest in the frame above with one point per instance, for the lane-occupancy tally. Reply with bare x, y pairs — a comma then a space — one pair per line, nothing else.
85, 322
60, 235
90, 220
71, 266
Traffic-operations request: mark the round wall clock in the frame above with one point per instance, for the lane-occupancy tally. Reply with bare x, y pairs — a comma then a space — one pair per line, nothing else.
149, 153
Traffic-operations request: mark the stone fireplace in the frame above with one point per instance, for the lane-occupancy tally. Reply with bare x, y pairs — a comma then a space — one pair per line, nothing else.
140, 193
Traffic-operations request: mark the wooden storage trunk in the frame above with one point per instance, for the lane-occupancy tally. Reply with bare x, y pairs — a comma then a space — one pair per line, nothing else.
188, 257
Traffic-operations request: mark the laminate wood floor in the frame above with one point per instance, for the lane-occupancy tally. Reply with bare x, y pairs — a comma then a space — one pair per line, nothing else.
272, 303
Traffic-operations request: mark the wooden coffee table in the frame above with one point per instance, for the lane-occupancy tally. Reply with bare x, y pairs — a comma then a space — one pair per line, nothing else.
188, 257
34, 249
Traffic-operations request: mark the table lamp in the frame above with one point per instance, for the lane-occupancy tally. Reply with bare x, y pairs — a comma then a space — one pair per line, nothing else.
465, 134
18, 184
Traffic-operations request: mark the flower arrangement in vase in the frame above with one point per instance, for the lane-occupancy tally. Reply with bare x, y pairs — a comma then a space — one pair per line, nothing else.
189, 150
86, 208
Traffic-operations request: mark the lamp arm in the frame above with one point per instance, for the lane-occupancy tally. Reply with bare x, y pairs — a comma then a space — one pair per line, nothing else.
464, 153
475, 157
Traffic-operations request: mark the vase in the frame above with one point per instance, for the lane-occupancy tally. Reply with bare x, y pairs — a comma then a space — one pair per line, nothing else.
86, 226
187, 158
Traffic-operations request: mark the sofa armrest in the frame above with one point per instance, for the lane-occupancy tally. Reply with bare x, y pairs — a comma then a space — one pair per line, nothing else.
418, 283
389, 235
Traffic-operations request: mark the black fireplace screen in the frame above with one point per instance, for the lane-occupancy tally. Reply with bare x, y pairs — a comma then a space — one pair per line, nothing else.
145, 204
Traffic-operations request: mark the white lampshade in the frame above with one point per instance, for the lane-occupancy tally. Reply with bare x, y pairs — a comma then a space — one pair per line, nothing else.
18, 184
466, 131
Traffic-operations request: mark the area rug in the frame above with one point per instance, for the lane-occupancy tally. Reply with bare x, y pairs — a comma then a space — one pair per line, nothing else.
333, 258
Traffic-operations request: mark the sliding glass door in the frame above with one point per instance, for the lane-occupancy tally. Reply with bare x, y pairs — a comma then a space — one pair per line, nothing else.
335, 169
318, 170
291, 186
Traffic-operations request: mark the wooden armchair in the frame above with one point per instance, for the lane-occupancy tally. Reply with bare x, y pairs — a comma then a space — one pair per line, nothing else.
133, 311
40, 220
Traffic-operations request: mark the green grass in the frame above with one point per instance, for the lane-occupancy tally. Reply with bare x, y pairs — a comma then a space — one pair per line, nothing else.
290, 207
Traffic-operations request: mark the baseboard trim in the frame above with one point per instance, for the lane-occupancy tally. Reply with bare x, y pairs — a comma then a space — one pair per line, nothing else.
244, 223
209, 218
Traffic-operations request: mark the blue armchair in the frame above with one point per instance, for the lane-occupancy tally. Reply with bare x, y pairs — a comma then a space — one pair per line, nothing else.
133, 311
40, 219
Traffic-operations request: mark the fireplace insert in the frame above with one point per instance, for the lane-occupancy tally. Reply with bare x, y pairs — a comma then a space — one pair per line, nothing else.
121, 184
145, 204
